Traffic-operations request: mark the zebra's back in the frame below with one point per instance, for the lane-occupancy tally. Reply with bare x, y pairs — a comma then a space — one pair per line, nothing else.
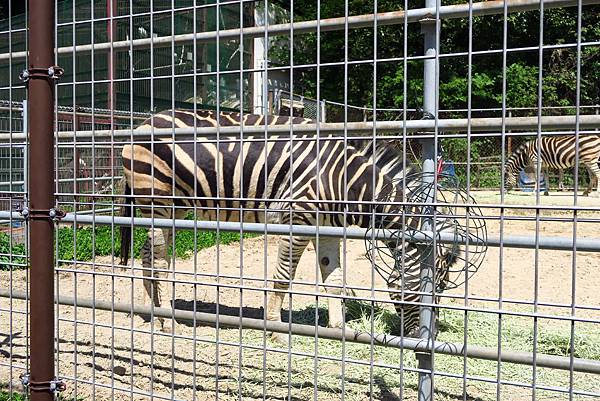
250, 173
562, 151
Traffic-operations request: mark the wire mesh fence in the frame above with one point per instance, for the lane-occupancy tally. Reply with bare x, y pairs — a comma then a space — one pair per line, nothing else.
307, 200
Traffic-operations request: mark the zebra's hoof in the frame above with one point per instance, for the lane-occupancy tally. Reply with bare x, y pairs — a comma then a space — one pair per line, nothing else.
335, 325
281, 339
412, 333
168, 327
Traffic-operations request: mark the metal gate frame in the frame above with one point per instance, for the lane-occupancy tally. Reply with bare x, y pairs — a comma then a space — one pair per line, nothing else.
41, 196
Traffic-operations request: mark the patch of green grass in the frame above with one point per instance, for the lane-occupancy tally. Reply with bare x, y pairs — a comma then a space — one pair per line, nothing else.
8, 396
364, 316
83, 243
7, 249
559, 343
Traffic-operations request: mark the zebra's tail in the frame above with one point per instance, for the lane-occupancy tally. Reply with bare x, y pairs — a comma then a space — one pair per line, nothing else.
126, 211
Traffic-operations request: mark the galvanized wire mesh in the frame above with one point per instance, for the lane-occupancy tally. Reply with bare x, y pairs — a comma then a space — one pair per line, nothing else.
514, 317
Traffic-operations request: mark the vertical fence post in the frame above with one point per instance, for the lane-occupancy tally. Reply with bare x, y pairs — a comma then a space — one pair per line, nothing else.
76, 164
41, 199
509, 140
111, 28
427, 313
25, 116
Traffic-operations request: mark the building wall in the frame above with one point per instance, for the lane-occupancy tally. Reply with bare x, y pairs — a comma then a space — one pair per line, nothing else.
142, 80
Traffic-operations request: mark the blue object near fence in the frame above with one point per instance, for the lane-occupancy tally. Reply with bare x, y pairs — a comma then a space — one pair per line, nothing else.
448, 168
527, 181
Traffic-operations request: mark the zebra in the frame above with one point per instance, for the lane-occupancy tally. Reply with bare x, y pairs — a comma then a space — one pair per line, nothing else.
275, 175
556, 152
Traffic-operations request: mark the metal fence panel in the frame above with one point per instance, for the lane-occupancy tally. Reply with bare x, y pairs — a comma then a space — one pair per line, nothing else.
384, 234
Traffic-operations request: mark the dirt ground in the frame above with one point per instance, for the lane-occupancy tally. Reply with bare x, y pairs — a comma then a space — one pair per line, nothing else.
137, 359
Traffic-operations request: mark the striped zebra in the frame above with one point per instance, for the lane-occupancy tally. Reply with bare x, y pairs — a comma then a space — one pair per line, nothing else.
298, 180
556, 152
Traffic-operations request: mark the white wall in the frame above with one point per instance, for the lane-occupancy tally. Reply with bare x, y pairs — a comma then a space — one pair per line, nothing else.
274, 79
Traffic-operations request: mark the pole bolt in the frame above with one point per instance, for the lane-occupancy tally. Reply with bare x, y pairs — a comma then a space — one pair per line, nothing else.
24, 76
25, 213
52, 73
53, 386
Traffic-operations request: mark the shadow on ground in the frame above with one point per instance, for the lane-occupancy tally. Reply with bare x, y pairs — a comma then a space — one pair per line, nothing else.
308, 315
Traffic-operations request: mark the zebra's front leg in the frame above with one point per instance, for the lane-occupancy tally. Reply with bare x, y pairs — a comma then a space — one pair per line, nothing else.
402, 283
328, 252
546, 182
156, 266
290, 251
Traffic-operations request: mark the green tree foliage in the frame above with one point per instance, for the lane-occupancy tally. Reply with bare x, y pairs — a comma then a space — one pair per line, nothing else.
559, 65
494, 77
16, 7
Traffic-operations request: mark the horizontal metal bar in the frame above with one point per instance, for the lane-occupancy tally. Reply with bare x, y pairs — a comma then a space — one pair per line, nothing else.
67, 180
78, 213
92, 211
586, 122
378, 294
506, 206
489, 109
189, 138
349, 335
6, 105
447, 125
506, 241
324, 25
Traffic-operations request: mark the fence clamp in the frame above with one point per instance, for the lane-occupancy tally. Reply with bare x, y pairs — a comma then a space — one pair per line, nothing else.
428, 19
52, 73
53, 386
42, 214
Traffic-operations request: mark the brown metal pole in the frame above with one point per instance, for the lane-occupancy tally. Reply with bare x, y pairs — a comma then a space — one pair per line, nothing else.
41, 179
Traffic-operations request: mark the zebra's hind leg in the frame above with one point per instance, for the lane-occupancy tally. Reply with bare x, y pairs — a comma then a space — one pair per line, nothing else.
593, 188
290, 251
561, 180
156, 266
594, 172
328, 252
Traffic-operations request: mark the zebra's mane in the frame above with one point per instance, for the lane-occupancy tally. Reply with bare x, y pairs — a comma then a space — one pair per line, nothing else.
517, 159
182, 118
